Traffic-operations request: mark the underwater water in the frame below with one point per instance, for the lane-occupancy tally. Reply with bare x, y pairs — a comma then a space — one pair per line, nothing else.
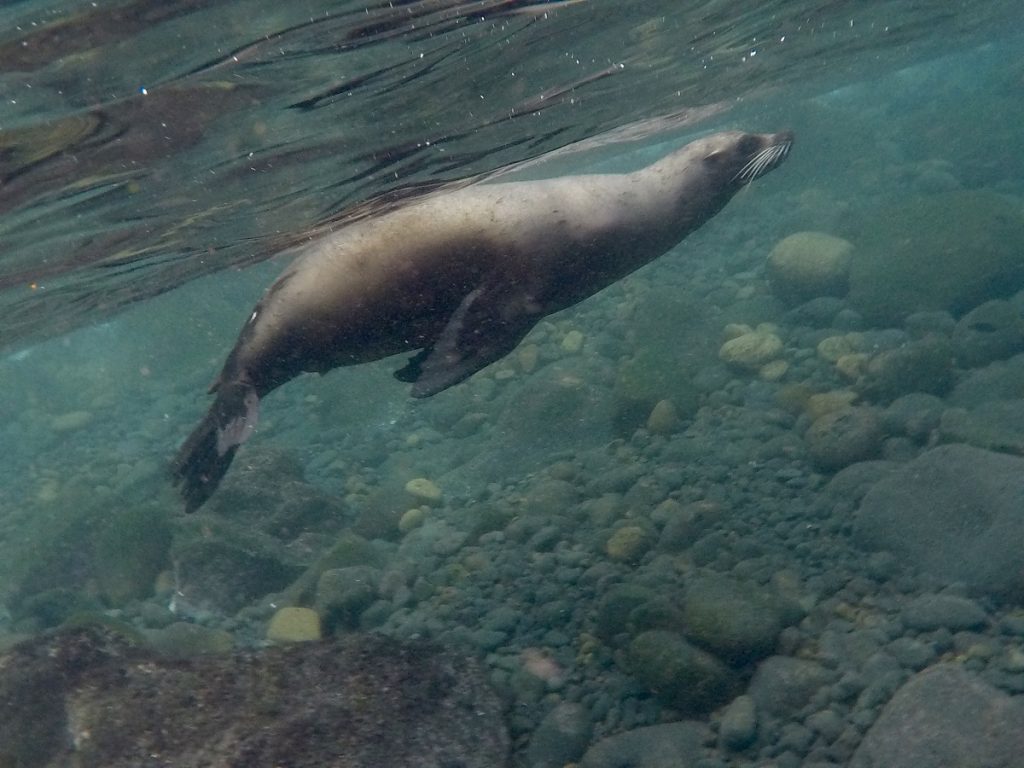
755, 504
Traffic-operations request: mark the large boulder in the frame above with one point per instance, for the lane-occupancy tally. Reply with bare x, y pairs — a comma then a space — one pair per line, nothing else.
945, 717
947, 251
954, 512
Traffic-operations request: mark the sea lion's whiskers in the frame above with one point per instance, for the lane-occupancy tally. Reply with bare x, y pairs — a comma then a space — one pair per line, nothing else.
763, 162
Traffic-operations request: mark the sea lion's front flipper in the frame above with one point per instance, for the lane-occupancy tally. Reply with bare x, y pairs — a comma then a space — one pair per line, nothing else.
486, 326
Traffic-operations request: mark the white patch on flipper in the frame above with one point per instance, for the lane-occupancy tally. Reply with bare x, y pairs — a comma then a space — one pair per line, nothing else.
240, 428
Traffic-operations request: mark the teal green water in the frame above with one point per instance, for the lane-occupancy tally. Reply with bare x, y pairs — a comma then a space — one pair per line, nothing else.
621, 511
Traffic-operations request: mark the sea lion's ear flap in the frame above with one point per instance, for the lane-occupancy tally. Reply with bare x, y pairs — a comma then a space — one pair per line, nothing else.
713, 158
485, 327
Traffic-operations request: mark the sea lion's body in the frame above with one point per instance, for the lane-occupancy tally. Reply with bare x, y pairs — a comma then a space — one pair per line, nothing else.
461, 277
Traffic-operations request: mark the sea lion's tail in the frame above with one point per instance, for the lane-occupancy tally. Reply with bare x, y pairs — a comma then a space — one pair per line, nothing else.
205, 456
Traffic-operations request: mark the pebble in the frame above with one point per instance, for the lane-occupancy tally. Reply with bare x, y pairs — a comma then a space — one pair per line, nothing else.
573, 342
827, 723
751, 350
424, 491
293, 624
929, 612
843, 437
627, 544
71, 421
527, 355
664, 419
561, 737
411, 518
782, 685
738, 727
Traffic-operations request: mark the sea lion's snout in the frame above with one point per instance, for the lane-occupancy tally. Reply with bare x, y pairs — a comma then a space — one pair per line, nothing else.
767, 157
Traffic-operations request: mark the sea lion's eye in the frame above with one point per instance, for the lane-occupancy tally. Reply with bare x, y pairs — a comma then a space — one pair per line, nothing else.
749, 145
715, 157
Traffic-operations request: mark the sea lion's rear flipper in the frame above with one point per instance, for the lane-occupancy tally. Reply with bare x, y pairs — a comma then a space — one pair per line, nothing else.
205, 456
485, 327
409, 372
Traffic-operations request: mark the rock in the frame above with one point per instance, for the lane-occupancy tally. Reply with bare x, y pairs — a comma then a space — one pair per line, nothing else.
819, 404
549, 498
685, 523
267, 494
183, 640
997, 425
807, 265
751, 350
561, 737
992, 331
737, 621
615, 612
230, 570
738, 727
915, 415
1002, 380
843, 437
783, 685
924, 365
628, 544
554, 409
681, 675
929, 323
954, 512
131, 546
910, 653
71, 421
831, 348
527, 355
820, 312
572, 342
852, 483
672, 745
645, 380
411, 518
664, 418
293, 624
342, 594
424, 491
86, 698
945, 717
773, 371
853, 366
101, 554
930, 612
827, 723
937, 252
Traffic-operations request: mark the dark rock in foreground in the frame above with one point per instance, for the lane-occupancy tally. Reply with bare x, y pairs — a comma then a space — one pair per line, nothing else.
89, 698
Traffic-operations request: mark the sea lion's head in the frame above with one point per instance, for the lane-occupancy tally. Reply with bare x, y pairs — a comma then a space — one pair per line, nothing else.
738, 158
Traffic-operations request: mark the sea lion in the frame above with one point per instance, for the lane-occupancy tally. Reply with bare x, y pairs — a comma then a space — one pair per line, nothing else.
460, 278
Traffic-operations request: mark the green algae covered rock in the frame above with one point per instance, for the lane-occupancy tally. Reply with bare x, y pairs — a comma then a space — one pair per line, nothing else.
736, 620
682, 675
